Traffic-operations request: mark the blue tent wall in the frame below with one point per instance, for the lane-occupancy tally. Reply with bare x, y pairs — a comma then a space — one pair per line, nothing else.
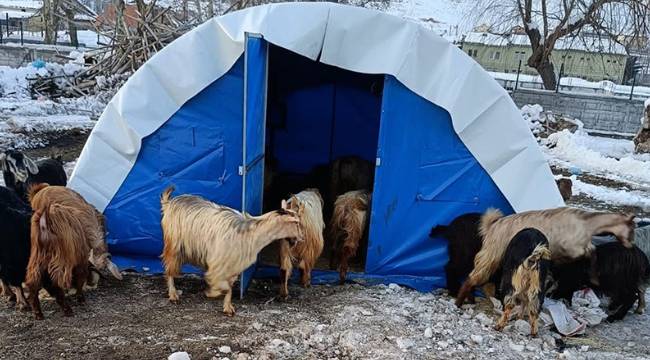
199, 150
426, 177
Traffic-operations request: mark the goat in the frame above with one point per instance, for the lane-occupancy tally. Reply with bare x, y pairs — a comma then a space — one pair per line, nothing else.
95, 228
219, 239
66, 236
619, 273
350, 173
309, 205
348, 227
568, 230
525, 265
14, 244
464, 242
20, 172
565, 185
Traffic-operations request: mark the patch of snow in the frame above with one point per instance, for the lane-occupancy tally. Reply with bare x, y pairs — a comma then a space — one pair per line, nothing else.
567, 149
612, 196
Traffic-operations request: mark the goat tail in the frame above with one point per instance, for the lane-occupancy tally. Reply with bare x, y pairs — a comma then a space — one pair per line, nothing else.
541, 252
438, 231
165, 197
488, 219
34, 189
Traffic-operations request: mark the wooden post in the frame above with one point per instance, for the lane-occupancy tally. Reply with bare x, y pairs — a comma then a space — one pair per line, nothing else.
21, 32
518, 72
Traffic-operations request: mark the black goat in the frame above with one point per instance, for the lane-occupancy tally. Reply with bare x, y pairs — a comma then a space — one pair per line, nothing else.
525, 266
15, 217
464, 242
20, 172
614, 270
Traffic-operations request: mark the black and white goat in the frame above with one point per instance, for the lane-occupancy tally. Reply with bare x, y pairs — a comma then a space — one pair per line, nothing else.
20, 172
525, 266
15, 216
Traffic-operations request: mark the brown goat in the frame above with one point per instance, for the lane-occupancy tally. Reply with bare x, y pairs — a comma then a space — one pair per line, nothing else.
347, 227
65, 236
219, 239
569, 232
309, 204
565, 186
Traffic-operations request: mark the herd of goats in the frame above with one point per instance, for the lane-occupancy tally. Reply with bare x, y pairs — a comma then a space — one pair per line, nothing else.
56, 241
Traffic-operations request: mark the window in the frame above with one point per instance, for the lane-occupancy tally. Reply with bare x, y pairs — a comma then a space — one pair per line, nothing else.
496, 55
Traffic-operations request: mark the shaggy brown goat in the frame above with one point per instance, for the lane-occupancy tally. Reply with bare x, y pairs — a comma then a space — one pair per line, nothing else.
569, 232
219, 239
65, 236
565, 186
525, 266
347, 227
309, 204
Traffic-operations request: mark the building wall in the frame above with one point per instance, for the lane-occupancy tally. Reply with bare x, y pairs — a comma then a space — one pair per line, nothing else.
610, 114
581, 64
16, 56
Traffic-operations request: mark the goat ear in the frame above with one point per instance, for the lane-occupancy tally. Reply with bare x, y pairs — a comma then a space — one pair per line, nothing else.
31, 165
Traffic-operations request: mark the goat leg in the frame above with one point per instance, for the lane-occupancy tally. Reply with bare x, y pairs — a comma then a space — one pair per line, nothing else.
21, 302
346, 253
640, 308
34, 302
228, 308
505, 316
80, 276
4, 291
286, 267
626, 305
59, 296
465, 291
305, 274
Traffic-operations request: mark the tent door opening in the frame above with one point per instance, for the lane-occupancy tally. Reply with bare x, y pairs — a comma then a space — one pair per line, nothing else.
317, 114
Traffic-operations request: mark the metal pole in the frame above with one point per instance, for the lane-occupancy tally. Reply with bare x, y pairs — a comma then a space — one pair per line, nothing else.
518, 72
633, 83
559, 78
7, 18
21, 32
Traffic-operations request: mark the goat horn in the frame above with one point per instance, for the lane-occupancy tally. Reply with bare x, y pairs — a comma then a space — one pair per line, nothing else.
113, 269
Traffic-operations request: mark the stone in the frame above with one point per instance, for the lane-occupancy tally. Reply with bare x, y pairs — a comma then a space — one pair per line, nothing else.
478, 339
366, 312
180, 355
516, 347
242, 356
522, 327
584, 348
484, 319
404, 344
428, 333
443, 344
225, 349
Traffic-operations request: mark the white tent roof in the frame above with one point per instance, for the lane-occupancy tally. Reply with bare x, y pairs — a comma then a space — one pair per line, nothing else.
357, 39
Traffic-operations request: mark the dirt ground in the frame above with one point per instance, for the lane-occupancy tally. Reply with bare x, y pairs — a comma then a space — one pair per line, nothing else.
132, 319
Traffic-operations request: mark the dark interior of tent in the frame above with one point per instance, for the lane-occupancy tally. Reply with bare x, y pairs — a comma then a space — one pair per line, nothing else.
317, 114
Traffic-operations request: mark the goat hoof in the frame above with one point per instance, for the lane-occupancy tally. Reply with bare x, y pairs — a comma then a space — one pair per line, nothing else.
230, 312
39, 316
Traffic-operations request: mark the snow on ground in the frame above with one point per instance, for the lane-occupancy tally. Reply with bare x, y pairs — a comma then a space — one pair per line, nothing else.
578, 150
608, 195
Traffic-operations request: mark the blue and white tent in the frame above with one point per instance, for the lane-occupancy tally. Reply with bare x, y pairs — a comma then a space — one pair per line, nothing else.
299, 80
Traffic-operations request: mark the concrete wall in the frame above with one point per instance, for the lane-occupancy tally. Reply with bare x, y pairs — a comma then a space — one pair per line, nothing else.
16, 56
596, 112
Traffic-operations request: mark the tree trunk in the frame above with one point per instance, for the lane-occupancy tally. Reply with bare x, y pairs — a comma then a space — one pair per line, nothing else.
547, 72
185, 10
199, 15
72, 27
50, 20
119, 17
210, 9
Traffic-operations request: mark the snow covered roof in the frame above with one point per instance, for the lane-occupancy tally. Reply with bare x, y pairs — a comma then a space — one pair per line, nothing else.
352, 38
585, 43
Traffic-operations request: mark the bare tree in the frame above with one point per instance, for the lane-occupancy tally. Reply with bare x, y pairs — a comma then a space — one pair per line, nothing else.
210, 9
545, 22
72, 26
50, 20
